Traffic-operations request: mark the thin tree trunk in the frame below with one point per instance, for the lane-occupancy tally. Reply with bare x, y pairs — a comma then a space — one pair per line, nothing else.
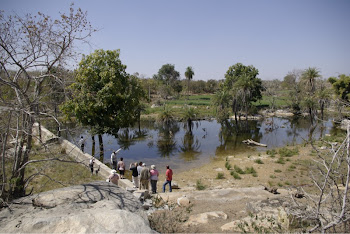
100, 140
93, 145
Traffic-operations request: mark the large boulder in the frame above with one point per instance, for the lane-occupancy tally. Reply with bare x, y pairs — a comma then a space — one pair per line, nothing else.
94, 207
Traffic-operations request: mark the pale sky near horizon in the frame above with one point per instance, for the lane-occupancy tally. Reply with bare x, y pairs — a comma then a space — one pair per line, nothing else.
275, 36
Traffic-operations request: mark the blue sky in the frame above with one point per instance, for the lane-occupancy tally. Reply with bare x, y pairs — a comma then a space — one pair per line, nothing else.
275, 36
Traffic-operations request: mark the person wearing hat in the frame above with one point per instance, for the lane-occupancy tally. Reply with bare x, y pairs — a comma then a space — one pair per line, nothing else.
144, 177
114, 160
113, 177
154, 178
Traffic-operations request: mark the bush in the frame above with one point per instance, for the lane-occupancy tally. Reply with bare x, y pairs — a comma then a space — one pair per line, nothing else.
220, 176
259, 161
271, 153
235, 175
199, 185
250, 170
238, 169
228, 166
280, 161
284, 152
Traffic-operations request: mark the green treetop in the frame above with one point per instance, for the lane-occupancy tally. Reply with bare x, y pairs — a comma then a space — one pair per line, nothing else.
105, 97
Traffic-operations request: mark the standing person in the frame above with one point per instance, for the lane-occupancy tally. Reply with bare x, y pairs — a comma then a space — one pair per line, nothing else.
139, 168
169, 178
135, 174
121, 168
113, 177
82, 143
154, 178
114, 159
91, 164
144, 177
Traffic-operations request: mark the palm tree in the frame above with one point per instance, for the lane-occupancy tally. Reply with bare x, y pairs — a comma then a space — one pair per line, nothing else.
189, 115
309, 76
189, 75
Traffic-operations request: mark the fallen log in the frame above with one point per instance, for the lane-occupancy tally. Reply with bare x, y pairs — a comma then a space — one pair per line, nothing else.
251, 142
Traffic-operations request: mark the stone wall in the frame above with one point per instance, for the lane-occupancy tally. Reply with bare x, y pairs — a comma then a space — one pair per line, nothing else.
75, 152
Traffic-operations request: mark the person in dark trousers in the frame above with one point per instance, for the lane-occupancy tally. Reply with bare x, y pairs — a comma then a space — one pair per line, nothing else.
135, 174
91, 165
169, 178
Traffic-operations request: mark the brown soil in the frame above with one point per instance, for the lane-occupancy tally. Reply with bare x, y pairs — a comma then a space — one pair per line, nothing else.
270, 174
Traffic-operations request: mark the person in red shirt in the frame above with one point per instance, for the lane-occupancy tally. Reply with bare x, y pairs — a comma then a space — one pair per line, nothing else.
169, 178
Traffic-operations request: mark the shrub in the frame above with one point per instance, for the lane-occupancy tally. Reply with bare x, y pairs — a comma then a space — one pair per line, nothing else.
280, 161
272, 153
250, 170
228, 166
238, 169
220, 176
199, 185
259, 161
235, 175
284, 152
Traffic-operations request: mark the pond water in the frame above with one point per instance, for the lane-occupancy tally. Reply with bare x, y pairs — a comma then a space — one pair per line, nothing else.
175, 146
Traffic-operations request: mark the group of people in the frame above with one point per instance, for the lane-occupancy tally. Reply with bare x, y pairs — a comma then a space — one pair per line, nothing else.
142, 176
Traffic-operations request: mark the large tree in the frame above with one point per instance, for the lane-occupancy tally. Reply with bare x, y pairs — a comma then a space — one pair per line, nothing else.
309, 78
244, 86
31, 47
168, 76
105, 97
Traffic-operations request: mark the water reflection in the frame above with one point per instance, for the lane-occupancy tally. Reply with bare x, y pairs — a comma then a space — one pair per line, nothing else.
162, 144
190, 148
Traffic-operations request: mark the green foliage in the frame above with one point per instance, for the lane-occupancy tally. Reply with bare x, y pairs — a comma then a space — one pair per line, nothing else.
166, 116
238, 169
105, 97
259, 161
341, 86
280, 160
199, 185
285, 152
228, 165
235, 175
272, 153
220, 176
250, 170
278, 171
272, 176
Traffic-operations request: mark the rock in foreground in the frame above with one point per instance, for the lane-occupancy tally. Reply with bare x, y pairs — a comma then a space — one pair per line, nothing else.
95, 208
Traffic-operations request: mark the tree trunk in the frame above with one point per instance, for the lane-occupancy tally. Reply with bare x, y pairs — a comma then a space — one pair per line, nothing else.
100, 140
93, 145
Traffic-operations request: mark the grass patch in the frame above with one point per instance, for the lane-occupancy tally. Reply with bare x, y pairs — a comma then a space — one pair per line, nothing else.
280, 161
199, 185
272, 176
272, 153
280, 184
235, 175
238, 169
285, 152
259, 161
278, 171
220, 176
228, 165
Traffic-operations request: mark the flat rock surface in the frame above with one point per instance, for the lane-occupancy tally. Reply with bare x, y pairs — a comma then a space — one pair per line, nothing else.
94, 207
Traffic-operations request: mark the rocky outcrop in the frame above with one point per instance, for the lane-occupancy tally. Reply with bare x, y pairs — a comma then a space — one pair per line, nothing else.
95, 207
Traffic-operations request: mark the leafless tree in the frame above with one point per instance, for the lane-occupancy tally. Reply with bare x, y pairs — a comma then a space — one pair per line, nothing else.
32, 49
327, 202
